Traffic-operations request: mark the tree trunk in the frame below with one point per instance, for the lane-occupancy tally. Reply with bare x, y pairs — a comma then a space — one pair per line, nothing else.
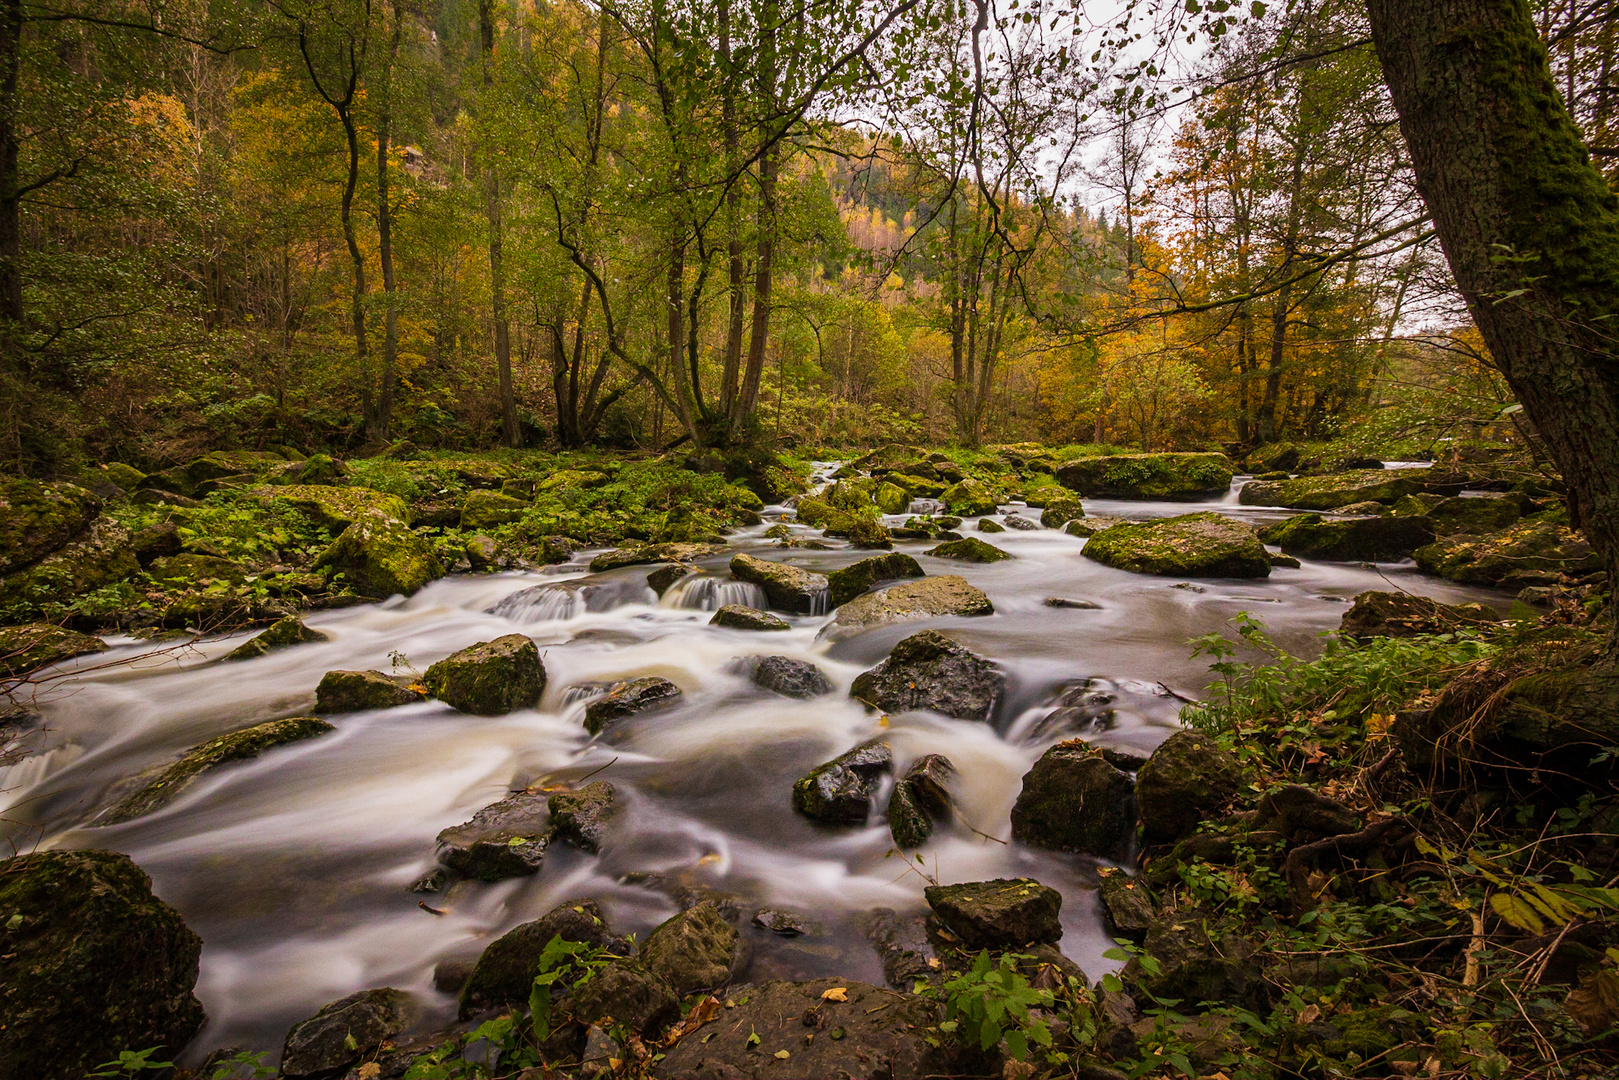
510, 434
1529, 226
385, 252
11, 310
733, 227
362, 350
762, 275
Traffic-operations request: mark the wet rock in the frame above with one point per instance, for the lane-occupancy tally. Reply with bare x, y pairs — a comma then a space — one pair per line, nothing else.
695, 950
357, 691
32, 646
1193, 545
93, 964
1199, 960
865, 532
861, 577
1127, 758
564, 479
1283, 562
157, 542
580, 817
931, 597
1080, 708
1387, 614
503, 840
788, 677
785, 923
37, 519
504, 974
336, 508
916, 483
491, 678
1021, 524
644, 554
990, 525
482, 552
559, 549
1275, 457
661, 579
1078, 605
451, 976
840, 792
788, 588
1126, 902
344, 1033
1060, 510
630, 994
889, 457
279, 635
1304, 815
379, 557
628, 698
192, 568
892, 499
1187, 780
1090, 526
1073, 800
1520, 555
487, 509
969, 498
1374, 509
241, 745
901, 943
742, 617
1007, 913
1335, 490
920, 801
1377, 539
970, 549
930, 671
1148, 476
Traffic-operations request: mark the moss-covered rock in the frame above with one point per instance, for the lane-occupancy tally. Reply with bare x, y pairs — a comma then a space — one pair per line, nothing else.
504, 974
631, 995
661, 579
1529, 553
840, 791
921, 800
1206, 544
1476, 513
1148, 476
1087, 527
1197, 959
189, 568
345, 1032
358, 691
279, 635
1275, 457
627, 699
863, 532
244, 745
1336, 489
35, 645
490, 678
931, 597
695, 950
125, 476
580, 817
1073, 800
94, 964
1126, 903
788, 677
788, 588
1388, 614
916, 485
379, 557
893, 499
102, 556
929, 671
487, 509
564, 479
1375, 539
860, 577
742, 617
969, 549
503, 840
336, 508
37, 519
969, 498
647, 554
1004, 914
1188, 780
157, 541
888, 457
1058, 512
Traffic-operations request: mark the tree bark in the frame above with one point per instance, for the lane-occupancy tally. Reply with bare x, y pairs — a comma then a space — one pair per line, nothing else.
1529, 226
762, 279
510, 433
11, 309
385, 252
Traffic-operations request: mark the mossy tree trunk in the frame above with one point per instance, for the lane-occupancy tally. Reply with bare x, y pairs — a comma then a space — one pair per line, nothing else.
1530, 227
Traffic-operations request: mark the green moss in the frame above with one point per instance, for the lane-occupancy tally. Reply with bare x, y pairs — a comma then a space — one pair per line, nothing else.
487, 509
491, 678
336, 508
969, 549
379, 556
35, 645
1193, 545
280, 634
852, 580
1335, 490
37, 519
1148, 476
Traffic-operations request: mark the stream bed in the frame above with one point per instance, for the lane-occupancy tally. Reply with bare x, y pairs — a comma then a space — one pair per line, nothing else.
295, 868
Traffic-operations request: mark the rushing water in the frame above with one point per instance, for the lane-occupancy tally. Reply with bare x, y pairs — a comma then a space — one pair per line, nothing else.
294, 868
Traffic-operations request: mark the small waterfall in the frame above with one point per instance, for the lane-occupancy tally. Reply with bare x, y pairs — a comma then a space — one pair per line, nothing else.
571, 599
925, 506
700, 593
822, 604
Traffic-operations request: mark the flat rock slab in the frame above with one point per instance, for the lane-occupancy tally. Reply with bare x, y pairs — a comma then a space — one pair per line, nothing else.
929, 598
742, 617
1148, 476
279, 635
1335, 490
1006, 913
857, 578
357, 691
35, 645
503, 840
1192, 545
969, 549
580, 817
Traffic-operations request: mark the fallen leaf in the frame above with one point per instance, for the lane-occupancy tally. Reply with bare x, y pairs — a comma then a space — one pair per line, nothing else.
784, 1054
1594, 1004
1309, 1014
836, 993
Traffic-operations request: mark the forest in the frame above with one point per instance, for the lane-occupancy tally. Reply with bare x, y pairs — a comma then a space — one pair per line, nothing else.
799, 538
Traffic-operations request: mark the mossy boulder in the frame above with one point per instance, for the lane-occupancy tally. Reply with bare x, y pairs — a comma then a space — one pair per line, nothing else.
627, 699
37, 519
244, 745
647, 554
631, 995
94, 964
695, 950
1528, 553
1476, 513
931, 597
1188, 780
788, 677
969, 549
840, 791
915, 485
358, 691
564, 479
345, 1032
102, 556
379, 557
970, 498
580, 817
1148, 476
336, 508
490, 678
1199, 959
505, 971
503, 840
1126, 903
1073, 800
1399, 615
279, 635
788, 588
1336, 489
921, 800
35, 645
929, 671
661, 579
1003, 914
852, 495
1058, 512
742, 617
861, 577
125, 476
1374, 539
191, 568
889, 457
1275, 457
863, 532
157, 541
1205, 544
487, 509
892, 499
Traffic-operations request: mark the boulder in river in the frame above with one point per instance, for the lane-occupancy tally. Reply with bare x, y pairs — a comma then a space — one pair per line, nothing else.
969, 549
1148, 476
789, 588
1007, 913
1390, 614
37, 519
990, 525
788, 677
660, 580
94, 964
969, 498
892, 499
1466, 513
1336, 489
695, 950
504, 974
921, 800
929, 598
628, 698
241, 745
1188, 780
860, 577
1126, 903
646, 554
1073, 800
1368, 539
490, 678
1529, 553
345, 1032
379, 557
35, 645
840, 792
358, 691
1206, 544
633, 996
503, 840
278, 635
580, 817
1060, 510
929, 671
743, 617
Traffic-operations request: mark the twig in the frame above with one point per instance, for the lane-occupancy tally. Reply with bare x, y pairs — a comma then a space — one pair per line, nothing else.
1474, 949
